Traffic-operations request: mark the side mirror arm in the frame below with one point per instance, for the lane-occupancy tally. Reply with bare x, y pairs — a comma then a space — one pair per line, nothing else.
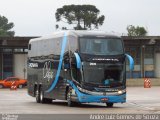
131, 62
78, 60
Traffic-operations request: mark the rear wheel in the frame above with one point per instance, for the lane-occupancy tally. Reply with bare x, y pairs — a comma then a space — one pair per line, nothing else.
42, 99
41, 96
37, 95
109, 104
69, 101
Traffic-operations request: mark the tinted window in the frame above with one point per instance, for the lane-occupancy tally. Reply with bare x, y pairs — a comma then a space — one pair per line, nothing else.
103, 74
101, 46
12, 79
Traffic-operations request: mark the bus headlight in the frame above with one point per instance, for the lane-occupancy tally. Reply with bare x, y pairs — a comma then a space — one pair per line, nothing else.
121, 91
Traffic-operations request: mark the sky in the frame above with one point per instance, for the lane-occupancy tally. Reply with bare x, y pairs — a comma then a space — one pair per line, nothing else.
37, 17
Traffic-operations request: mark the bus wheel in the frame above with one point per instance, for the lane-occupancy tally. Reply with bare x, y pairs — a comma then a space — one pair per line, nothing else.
109, 104
69, 101
42, 99
37, 95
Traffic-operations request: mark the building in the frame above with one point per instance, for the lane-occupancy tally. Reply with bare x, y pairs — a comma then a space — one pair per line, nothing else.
13, 56
145, 51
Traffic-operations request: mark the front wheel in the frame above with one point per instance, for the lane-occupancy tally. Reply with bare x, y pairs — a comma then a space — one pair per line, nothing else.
109, 104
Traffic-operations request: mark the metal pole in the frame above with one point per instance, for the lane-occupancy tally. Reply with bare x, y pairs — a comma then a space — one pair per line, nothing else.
142, 60
144, 75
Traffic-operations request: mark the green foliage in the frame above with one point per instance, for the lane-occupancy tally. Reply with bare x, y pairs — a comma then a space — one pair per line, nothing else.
5, 27
136, 31
83, 16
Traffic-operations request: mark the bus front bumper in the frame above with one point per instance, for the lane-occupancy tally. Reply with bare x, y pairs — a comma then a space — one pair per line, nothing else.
102, 99
87, 98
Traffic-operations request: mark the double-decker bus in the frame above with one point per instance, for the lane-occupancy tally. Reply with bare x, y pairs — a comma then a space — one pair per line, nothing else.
78, 66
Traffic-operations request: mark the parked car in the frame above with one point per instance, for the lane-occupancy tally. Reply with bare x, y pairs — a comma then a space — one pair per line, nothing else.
8, 82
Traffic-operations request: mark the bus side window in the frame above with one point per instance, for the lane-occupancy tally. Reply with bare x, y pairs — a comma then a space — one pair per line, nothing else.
29, 47
66, 61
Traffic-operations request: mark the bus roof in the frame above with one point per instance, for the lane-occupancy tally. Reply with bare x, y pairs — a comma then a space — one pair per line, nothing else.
77, 33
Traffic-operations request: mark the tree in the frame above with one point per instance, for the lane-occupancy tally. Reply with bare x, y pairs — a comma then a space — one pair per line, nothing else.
5, 27
136, 31
83, 16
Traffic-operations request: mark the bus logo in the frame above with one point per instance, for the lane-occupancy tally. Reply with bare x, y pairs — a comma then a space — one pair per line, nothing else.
47, 72
92, 64
33, 65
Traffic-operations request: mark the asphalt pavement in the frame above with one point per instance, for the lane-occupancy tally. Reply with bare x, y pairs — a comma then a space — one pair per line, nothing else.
139, 101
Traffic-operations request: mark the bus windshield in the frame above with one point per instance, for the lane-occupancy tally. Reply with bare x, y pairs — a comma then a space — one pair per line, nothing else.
101, 46
104, 74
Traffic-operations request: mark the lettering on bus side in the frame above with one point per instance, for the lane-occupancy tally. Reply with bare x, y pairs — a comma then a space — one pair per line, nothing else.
33, 65
47, 72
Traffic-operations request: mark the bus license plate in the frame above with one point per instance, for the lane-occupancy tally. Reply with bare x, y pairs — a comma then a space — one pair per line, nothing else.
104, 99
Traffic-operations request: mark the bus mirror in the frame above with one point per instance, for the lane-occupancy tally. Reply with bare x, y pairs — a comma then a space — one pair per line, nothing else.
78, 60
131, 62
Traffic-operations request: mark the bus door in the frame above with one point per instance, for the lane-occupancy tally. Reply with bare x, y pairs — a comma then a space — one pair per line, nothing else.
71, 72
76, 73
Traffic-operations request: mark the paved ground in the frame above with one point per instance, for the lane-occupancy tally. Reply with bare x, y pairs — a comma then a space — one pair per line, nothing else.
139, 100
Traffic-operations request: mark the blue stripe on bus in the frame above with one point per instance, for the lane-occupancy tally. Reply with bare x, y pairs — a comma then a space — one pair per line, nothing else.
83, 98
60, 64
78, 60
131, 62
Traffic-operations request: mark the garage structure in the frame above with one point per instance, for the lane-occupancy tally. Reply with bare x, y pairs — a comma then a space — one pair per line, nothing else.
13, 56
145, 51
